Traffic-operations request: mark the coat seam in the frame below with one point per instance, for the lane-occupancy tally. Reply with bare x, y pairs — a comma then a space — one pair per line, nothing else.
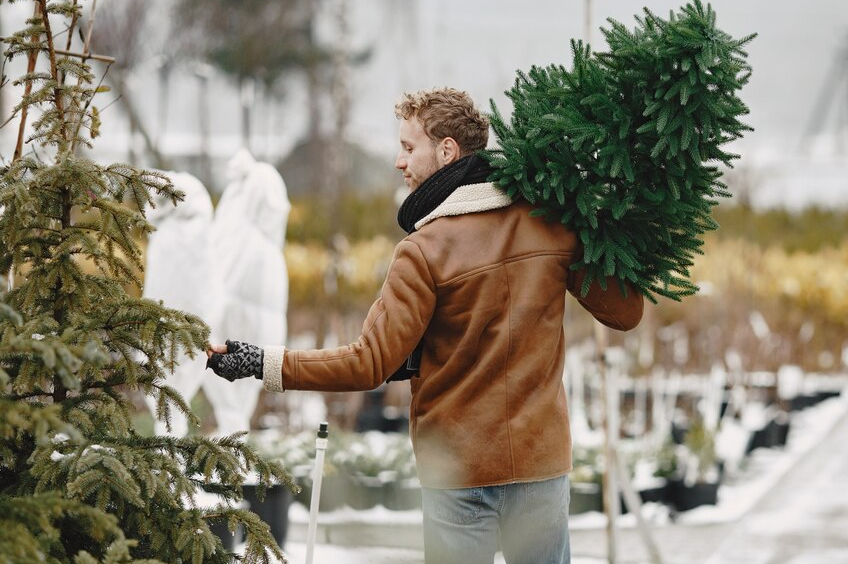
511, 260
506, 372
297, 369
424, 258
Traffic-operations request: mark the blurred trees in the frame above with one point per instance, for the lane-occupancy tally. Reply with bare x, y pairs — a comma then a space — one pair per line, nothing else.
810, 229
774, 285
255, 42
123, 30
774, 290
265, 47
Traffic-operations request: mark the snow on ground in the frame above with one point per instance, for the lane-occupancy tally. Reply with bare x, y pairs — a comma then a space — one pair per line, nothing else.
328, 554
298, 513
767, 466
739, 493
761, 472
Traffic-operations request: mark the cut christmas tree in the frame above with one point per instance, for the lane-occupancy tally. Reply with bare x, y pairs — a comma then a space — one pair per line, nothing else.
77, 482
624, 147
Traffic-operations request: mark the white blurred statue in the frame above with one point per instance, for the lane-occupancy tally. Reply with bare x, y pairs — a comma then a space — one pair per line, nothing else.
249, 232
180, 272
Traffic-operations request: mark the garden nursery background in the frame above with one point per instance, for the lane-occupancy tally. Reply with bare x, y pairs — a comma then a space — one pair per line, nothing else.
713, 390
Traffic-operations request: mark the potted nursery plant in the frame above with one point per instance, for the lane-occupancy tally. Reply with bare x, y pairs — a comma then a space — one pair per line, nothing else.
402, 488
366, 462
586, 476
698, 474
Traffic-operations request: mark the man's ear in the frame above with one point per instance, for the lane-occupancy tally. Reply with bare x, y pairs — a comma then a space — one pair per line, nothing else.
448, 151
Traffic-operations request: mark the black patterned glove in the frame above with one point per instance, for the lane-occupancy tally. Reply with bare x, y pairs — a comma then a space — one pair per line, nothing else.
242, 360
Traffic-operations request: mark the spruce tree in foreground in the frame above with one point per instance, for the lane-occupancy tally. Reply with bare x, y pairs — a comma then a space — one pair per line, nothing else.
623, 147
77, 482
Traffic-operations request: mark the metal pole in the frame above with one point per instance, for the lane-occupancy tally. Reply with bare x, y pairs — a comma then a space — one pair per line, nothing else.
317, 475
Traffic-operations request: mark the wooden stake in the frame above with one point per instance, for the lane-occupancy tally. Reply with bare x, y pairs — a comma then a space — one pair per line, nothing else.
87, 42
33, 55
19, 145
634, 505
615, 475
101, 58
609, 392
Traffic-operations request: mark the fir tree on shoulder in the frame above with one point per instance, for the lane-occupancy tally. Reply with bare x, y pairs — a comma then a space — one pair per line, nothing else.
623, 148
77, 482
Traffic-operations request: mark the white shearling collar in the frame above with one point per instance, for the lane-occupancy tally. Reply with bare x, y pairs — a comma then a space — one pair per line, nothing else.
470, 198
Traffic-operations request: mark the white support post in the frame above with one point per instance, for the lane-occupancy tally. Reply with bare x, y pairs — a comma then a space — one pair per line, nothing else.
317, 476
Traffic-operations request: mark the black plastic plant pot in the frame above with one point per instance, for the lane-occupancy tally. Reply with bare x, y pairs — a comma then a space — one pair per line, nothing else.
228, 540
779, 431
585, 497
656, 494
365, 492
685, 497
273, 509
802, 402
403, 495
759, 439
823, 395
333, 492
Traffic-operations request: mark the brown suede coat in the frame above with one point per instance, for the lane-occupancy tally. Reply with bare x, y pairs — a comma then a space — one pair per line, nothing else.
484, 284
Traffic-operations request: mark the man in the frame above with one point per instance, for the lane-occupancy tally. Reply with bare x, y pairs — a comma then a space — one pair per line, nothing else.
480, 284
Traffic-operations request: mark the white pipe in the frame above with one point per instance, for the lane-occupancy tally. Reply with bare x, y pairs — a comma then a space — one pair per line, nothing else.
317, 476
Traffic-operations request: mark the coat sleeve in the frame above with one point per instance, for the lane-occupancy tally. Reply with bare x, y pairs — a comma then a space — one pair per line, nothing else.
611, 307
393, 327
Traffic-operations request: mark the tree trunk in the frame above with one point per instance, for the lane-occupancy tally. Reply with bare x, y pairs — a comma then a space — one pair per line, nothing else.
205, 164
247, 95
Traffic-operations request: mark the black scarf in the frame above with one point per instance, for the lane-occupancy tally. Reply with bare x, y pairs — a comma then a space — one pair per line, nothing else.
472, 169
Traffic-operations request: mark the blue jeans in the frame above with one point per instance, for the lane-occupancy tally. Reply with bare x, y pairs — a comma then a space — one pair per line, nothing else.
527, 521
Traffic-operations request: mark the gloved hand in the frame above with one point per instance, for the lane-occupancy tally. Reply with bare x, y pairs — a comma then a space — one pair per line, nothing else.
242, 360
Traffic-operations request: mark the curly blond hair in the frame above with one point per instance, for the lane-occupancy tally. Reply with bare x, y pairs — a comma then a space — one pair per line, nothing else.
447, 112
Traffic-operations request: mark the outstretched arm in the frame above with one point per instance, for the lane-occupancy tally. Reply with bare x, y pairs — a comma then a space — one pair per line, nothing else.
394, 326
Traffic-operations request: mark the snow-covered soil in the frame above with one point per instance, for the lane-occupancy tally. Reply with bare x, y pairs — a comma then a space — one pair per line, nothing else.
743, 490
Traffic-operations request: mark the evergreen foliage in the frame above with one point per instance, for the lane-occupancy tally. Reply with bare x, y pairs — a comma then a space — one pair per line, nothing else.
810, 230
624, 147
77, 482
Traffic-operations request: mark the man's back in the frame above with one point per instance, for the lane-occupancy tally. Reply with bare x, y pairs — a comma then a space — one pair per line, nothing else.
490, 406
